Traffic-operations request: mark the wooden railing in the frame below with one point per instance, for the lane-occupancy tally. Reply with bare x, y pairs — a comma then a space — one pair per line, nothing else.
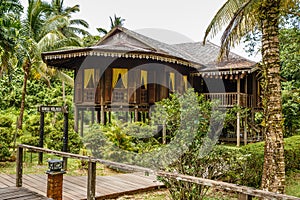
89, 94
244, 192
119, 95
230, 99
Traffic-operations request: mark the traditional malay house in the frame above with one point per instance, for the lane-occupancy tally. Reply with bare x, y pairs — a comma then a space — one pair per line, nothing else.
128, 72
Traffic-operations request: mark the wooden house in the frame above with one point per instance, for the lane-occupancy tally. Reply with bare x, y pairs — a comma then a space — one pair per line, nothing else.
129, 72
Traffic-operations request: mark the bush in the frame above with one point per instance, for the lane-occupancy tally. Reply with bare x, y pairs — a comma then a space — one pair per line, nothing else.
249, 172
30, 140
4, 151
55, 141
7, 132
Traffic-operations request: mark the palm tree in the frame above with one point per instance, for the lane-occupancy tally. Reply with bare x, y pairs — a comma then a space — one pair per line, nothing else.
242, 17
9, 25
73, 28
117, 21
40, 32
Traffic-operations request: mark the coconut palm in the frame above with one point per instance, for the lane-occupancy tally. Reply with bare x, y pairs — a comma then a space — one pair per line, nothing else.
9, 26
242, 17
40, 32
73, 29
117, 21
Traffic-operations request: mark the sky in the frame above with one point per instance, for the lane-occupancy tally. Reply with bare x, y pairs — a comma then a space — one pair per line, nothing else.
186, 19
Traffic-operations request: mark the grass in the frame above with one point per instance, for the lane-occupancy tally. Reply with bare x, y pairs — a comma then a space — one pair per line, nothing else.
75, 167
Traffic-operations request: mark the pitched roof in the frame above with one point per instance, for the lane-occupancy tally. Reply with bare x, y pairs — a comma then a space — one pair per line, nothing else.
121, 37
121, 42
207, 55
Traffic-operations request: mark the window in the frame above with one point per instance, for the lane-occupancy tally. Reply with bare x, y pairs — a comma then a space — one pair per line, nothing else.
144, 79
89, 78
120, 78
172, 81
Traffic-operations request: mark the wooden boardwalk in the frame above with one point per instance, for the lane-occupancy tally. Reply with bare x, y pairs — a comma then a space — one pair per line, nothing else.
10, 193
74, 187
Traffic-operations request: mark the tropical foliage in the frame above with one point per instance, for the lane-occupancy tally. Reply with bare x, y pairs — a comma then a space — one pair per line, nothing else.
114, 22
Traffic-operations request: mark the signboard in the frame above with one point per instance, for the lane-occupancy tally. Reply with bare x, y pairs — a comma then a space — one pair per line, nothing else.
63, 109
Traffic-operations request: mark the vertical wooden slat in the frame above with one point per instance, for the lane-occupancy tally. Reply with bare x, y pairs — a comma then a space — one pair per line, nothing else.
81, 122
238, 128
91, 187
76, 115
19, 167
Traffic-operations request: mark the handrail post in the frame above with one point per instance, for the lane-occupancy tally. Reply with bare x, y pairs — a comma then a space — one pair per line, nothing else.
19, 167
91, 183
242, 196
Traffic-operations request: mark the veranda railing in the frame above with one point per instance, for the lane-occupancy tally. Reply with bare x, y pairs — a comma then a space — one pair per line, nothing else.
244, 192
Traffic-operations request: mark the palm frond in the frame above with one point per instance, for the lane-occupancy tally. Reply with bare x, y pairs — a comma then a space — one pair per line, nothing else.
79, 22
222, 17
64, 77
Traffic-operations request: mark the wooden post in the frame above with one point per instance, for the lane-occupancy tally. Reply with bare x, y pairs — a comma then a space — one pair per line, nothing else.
102, 115
81, 122
76, 119
66, 138
136, 114
98, 116
247, 105
91, 187
19, 167
164, 133
245, 131
238, 126
41, 140
93, 116
242, 196
109, 117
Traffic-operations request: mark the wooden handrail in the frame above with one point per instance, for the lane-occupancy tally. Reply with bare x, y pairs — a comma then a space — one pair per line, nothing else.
244, 191
230, 99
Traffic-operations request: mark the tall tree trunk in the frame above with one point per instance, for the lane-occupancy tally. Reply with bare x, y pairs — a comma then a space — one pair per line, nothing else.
273, 178
26, 69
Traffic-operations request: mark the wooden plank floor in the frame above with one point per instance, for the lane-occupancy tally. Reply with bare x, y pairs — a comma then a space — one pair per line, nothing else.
9, 193
74, 187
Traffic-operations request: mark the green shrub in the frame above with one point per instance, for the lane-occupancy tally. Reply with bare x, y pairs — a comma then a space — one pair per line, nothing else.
55, 141
4, 151
29, 140
6, 121
250, 171
7, 132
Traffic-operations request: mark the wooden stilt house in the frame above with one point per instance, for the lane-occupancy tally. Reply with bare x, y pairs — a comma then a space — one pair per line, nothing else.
129, 72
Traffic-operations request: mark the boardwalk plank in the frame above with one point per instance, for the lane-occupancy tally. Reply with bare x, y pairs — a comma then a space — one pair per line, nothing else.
74, 187
11, 193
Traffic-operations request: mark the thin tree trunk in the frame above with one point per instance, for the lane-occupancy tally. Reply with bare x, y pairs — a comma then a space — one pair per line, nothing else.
273, 178
22, 108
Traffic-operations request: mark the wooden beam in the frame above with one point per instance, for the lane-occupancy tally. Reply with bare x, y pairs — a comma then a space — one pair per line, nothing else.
102, 115
76, 115
81, 122
91, 183
238, 125
19, 167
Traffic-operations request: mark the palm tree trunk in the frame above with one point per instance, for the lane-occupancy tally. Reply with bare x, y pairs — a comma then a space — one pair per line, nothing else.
22, 109
273, 178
